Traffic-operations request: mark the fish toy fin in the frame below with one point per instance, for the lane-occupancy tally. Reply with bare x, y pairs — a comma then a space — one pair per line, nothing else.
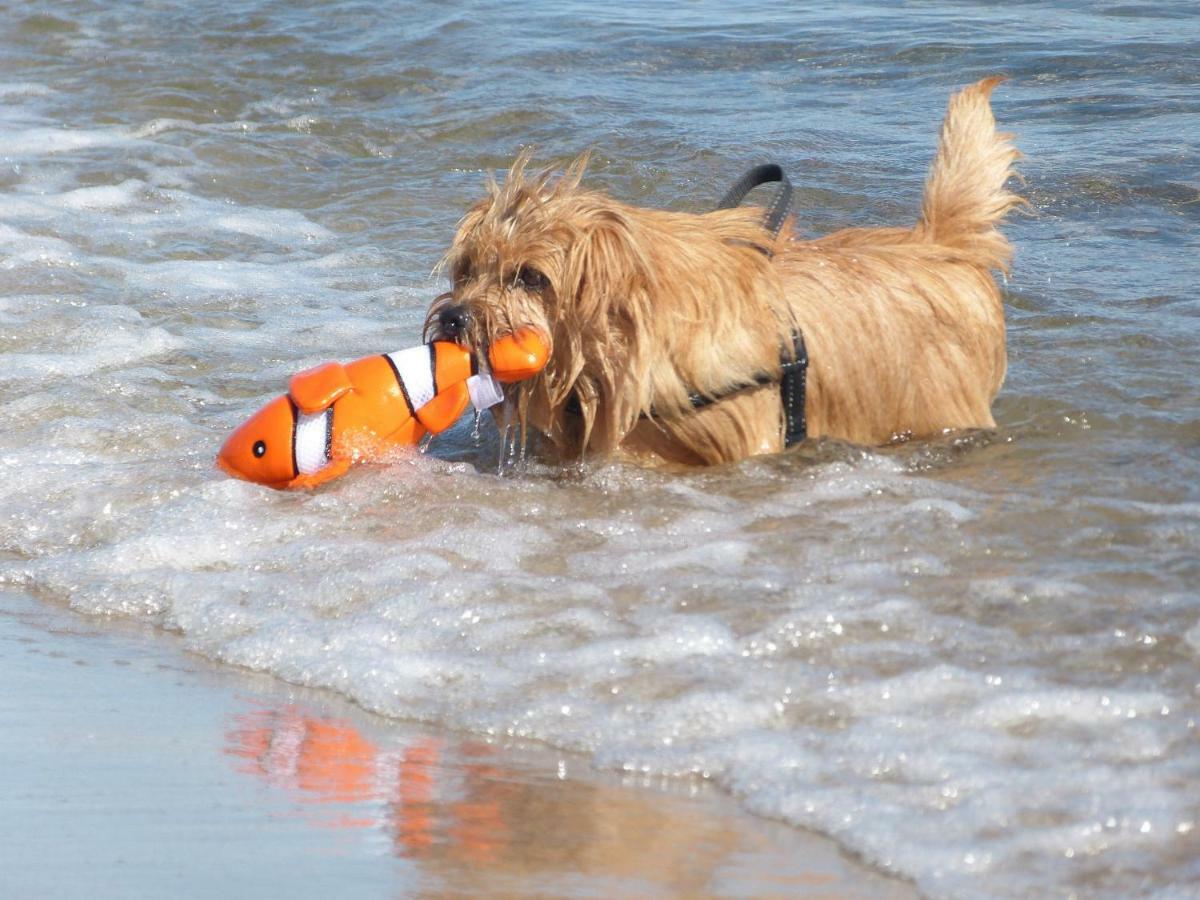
316, 389
444, 409
336, 468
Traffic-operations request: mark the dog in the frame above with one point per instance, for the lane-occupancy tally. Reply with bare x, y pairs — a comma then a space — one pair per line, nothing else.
669, 331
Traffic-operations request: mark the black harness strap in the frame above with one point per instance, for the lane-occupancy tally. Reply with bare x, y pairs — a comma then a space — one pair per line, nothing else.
699, 401
793, 362
793, 367
792, 389
793, 383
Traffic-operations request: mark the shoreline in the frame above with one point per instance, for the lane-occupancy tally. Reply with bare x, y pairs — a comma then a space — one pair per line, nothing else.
137, 769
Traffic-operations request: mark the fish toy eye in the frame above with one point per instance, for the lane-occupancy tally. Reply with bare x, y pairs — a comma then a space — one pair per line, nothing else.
260, 448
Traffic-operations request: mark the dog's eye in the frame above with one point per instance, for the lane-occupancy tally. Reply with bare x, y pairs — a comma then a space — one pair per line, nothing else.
531, 279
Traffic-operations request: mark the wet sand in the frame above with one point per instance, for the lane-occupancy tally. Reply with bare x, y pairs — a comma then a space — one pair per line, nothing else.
133, 769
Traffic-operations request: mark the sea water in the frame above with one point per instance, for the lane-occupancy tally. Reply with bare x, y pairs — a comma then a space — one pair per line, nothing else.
972, 661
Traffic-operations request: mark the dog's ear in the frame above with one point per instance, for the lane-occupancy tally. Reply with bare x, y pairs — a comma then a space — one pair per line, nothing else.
608, 271
605, 324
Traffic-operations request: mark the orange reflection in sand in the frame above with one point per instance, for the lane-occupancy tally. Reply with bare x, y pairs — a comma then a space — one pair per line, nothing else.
480, 825
425, 806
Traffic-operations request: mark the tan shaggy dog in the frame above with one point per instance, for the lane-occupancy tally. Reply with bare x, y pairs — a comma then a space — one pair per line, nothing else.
904, 327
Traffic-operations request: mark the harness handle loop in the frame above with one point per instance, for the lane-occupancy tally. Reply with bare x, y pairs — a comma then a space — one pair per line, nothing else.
763, 174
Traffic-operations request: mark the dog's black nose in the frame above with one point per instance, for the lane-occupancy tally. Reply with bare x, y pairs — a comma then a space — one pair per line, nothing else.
453, 321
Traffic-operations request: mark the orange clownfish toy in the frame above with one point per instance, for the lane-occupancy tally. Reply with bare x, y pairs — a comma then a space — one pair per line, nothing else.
335, 415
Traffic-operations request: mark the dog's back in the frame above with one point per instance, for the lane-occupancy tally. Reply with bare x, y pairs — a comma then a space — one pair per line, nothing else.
905, 326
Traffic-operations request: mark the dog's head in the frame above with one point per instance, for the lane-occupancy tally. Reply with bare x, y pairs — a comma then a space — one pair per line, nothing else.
633, 301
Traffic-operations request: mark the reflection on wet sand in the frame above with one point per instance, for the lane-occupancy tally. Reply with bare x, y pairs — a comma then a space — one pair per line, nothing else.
430, 806
472, 824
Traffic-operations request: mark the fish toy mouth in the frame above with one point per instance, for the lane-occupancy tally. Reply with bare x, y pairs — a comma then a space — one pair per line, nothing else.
228, 468
519, 355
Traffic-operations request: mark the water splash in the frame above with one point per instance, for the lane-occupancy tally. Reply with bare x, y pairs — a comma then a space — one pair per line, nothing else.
514, 443
507, 432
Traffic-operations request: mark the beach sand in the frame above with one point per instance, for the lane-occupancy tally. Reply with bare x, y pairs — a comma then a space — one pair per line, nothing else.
133, 769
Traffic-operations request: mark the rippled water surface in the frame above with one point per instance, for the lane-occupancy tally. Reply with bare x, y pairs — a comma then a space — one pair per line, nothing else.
972, 662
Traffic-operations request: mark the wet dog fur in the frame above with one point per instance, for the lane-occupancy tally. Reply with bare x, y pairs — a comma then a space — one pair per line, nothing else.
904, 326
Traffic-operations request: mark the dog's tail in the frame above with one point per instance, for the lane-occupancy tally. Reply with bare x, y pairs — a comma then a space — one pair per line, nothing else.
965, 198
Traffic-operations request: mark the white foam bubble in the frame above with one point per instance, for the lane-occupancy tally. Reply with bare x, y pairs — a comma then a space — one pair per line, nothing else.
156, 127
99, 337
41, 141
276, 225
101, 197
25, 250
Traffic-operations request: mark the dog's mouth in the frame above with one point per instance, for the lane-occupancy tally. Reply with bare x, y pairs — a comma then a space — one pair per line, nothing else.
475, 331
453, 323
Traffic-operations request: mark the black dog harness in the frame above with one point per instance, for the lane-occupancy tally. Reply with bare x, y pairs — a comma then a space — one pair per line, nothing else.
793, 361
